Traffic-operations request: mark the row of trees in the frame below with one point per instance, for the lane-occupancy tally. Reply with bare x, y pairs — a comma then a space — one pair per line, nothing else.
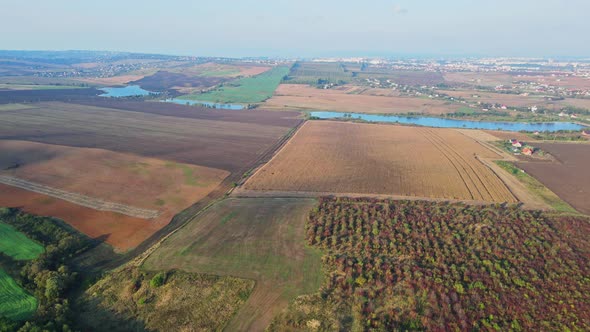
439, 266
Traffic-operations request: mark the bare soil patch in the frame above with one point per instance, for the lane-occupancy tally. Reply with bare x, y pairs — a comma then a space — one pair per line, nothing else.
255, 116
32, 96
568, 176
228, 145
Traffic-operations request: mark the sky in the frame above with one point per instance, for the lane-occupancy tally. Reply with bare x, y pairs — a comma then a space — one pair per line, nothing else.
301, 28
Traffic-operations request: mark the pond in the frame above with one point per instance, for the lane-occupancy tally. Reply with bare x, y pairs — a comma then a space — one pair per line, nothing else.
205, 103
451, 123
128, 91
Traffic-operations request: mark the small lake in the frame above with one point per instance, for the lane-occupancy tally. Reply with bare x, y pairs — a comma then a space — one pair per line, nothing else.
128, 91
205, 103
451, 123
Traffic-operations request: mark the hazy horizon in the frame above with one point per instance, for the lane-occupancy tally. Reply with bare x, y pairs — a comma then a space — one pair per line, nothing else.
280, 28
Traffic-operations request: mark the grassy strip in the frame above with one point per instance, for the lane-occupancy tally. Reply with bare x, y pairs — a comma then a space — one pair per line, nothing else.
537, 188
246, 90
16, 245
15, 303
162, 301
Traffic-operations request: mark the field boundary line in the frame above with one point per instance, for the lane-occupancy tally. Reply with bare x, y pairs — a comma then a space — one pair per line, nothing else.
79, 199
282, 145
251, 193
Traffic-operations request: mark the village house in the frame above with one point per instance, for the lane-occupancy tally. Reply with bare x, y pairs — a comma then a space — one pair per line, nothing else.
515, 143
527, 151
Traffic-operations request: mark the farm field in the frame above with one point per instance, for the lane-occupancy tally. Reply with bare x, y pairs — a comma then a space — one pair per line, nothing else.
514, 100
253, 89
222, 144
254, 116
446, 267
12, 87
121, 231
212, 69
15, 303
479, 78
252, 238
566, 81
111, 81
353, 158
17, 245
129, 300
311, 72
165, 80
31, 96
511, 100
299, 96
506, 135
568, 176
138, 183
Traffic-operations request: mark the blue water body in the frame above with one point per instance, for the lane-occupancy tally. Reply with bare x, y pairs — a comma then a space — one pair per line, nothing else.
451, 123
205, 103
128, 91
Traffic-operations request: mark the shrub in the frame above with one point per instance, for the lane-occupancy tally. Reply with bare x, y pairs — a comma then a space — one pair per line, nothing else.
158, 280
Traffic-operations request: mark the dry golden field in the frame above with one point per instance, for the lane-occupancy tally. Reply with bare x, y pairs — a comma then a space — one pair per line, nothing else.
353, 158
300, 96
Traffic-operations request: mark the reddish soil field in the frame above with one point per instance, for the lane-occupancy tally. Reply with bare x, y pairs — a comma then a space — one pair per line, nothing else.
166, 187
568, 177
306, 97
120, 231
227, 145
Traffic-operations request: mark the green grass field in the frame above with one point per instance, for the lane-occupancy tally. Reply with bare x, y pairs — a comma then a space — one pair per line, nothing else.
15, 303
16, 245
246, 90
254, 238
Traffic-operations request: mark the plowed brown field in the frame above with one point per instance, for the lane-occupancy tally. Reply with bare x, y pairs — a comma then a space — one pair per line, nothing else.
302, 96
342, 157
133, 181
568, 175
